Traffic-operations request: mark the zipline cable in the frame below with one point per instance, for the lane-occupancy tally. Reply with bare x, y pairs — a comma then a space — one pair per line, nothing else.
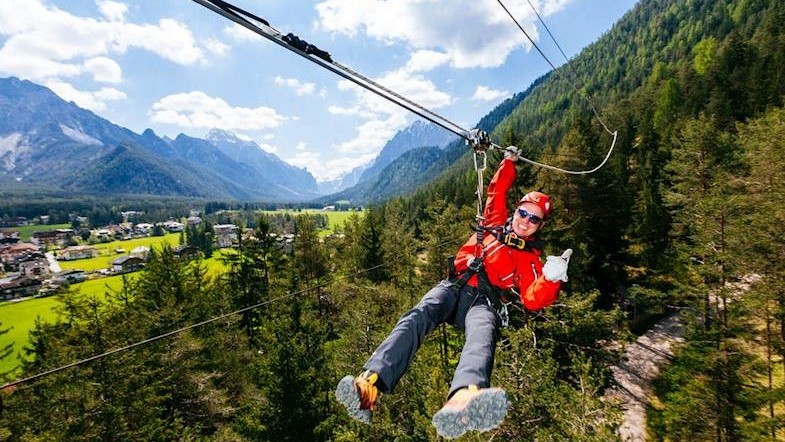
553, 66
244, 18
188, 327
548, 30
588, 94
323, 59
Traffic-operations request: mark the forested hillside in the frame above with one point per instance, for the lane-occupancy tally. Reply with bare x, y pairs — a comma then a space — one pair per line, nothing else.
691, 204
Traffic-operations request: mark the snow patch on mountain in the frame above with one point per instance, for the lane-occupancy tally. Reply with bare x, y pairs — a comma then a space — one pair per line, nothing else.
11, 147
79, 136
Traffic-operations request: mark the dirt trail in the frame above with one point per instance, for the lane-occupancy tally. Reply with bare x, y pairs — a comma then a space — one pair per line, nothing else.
641, 364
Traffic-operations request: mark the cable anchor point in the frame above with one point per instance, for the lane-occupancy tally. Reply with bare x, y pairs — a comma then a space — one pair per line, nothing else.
478, 140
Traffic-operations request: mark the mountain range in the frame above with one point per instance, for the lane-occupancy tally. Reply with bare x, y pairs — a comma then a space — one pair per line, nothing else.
46, 142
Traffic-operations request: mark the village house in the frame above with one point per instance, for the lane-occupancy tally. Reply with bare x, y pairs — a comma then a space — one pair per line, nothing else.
19, 287
8, 237
143, 228
173, 226
225, 235
125, 264
193, 221
51, 237
77, 252
18, 221
103, 235
10, 255
140, 252
34, 266
70, 276
185, 252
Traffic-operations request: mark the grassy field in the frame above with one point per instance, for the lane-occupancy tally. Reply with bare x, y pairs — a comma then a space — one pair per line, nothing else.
21, 316
107, 251
335, 219
26, 232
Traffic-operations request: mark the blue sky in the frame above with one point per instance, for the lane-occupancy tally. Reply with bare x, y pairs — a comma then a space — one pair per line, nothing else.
176, 67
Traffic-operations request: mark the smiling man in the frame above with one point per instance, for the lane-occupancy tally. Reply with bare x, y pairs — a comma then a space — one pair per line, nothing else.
506, 262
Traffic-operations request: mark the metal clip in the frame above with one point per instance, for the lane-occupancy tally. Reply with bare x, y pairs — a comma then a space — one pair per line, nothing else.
479, 140
475, 265
504, 314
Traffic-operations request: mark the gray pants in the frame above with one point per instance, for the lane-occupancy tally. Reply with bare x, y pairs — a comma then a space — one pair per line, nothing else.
443, 303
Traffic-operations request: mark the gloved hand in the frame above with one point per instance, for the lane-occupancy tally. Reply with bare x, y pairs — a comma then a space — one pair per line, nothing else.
512, 153
555, 268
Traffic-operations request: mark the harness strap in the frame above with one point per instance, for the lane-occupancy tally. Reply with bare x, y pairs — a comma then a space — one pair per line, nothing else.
497, 297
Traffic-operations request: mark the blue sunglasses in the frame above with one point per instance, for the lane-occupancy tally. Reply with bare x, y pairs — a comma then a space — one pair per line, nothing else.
534, 219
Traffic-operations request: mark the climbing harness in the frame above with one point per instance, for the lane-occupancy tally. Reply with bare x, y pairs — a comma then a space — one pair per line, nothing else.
497, 298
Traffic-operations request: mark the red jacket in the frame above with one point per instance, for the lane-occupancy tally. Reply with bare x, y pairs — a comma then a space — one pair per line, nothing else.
508, 268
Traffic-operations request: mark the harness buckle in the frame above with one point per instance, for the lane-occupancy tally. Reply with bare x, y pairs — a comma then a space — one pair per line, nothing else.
475, 265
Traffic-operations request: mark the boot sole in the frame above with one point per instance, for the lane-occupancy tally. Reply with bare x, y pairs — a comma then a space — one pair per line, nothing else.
484, 412
350, 398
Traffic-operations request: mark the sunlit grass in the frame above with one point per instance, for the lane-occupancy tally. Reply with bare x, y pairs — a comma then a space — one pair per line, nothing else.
107, 252
335, 219
25, 232
20, 316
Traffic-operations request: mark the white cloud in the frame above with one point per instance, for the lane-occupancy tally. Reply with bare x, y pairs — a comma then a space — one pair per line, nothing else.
470, 33
300, 88
104, 70
241, 33
300, 146
199, 110
383, 118
425, 60
95, 101
268, 137
168, 38
416, 87
355, 111
216, 46
373, 134
326, 170
110, 93
47, 44
113, 11
484, 93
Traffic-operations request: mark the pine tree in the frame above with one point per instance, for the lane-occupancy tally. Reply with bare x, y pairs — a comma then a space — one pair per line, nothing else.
706, 224
248, 278
398, 244
763, 204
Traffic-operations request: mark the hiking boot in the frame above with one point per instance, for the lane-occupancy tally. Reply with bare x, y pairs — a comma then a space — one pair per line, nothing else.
471, 408
359, 395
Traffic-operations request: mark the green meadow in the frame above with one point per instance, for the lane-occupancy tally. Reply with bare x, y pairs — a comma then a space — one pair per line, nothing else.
108, 251
336, 220
20, 316
25, 232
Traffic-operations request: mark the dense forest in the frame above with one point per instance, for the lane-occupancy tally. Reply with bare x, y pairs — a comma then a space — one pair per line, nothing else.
686, 216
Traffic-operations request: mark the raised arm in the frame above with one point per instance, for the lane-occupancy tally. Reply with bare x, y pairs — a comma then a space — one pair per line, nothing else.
496, 211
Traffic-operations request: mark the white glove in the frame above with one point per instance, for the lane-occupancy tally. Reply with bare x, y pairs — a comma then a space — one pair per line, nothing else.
555, 268
512, 153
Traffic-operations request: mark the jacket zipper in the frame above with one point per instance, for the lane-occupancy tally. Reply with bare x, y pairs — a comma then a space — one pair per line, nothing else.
534, 270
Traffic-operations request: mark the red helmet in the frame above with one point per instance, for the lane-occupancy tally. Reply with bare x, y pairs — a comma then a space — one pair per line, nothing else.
542, 201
